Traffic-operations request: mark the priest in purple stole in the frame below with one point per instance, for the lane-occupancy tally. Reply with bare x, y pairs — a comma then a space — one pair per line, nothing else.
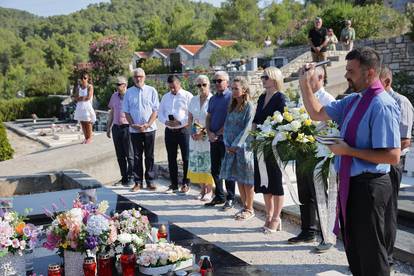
369, 122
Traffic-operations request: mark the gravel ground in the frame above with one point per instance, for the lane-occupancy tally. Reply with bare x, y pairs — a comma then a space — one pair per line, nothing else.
23, 145
244, 239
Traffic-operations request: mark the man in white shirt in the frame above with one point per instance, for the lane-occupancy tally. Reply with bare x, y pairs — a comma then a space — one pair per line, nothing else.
173, 113
304, 180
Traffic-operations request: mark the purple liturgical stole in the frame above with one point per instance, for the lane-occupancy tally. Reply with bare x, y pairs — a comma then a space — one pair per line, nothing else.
346, 161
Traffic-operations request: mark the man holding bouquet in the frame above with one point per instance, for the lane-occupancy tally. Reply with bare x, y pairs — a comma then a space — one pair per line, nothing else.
369, 121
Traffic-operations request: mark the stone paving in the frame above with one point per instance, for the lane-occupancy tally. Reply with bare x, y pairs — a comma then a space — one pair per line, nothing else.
244, 239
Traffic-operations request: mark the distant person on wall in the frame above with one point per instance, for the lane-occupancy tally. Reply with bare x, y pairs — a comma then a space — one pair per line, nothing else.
84, 112
347, 36
318, 40
199, 161
242, 66
332, 40
173, 114
141, 108
267, 42
406, 126
238, 162
216, 116
118, 124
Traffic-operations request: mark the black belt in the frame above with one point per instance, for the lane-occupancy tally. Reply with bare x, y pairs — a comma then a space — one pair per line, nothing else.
367, 175
175, 129
122, 126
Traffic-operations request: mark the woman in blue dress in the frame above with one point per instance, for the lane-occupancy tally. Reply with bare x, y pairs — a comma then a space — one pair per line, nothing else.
238, 160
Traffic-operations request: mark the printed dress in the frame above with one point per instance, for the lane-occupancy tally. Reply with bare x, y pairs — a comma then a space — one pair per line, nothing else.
199, 166
84, 111
238, 166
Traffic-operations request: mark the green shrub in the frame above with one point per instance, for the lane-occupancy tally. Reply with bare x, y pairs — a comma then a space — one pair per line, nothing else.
6, 151
23, 108
160, 86
403, 83
154, 66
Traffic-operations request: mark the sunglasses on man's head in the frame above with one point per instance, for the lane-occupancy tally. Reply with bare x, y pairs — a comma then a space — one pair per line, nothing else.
202, 85
264, 77
217, 81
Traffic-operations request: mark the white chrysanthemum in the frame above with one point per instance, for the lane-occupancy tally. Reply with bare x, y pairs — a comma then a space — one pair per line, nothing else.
295, 125
124, 238
76, 215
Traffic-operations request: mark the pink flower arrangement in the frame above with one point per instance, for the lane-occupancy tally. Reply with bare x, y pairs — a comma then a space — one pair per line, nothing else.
15, 234
84, 227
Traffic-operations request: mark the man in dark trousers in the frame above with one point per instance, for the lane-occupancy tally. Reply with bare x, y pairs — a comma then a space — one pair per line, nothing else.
216, 115
406, 126
318, 40
119, 125
369, 121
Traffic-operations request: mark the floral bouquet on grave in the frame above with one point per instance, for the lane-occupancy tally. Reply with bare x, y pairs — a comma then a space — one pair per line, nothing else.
15, 234
84, 228
163, 257
132, 228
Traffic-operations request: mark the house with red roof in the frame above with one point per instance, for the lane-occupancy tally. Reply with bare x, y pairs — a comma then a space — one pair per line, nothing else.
162, 53
203, 55
137, 57
187, 54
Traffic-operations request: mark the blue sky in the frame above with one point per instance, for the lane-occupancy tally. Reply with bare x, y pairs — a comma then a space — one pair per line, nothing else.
57, 7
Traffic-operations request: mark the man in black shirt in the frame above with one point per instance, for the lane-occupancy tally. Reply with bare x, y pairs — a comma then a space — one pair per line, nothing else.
318, 40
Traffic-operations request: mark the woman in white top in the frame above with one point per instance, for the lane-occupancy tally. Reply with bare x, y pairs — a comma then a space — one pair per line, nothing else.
84, 112
199, 162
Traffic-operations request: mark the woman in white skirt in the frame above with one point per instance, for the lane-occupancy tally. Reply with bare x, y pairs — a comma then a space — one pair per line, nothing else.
84, 112
199, 166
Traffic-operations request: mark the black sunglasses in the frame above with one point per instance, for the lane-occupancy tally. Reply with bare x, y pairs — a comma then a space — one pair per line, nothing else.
218, 81
119, 84
202, 85
264, 77
85, 78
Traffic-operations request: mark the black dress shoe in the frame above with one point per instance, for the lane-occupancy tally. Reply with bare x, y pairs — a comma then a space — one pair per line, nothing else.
228, 205
214, 202
302, 237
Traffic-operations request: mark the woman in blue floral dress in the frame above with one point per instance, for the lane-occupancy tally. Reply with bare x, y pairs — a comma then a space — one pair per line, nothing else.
238, 161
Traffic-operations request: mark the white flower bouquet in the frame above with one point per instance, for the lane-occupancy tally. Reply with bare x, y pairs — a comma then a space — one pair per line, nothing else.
162, 257
133, 228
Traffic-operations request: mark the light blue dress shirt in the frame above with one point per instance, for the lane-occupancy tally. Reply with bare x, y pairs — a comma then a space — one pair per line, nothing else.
379, 128
140, 103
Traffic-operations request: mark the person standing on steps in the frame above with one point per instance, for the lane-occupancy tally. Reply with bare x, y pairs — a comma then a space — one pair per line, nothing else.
318, 40
141, 108
118, 124
216, 116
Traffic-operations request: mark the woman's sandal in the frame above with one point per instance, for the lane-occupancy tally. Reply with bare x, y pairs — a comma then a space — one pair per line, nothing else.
246, 215
238, 214
274, 226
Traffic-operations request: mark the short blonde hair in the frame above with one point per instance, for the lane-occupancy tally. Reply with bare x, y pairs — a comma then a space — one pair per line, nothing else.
276, 75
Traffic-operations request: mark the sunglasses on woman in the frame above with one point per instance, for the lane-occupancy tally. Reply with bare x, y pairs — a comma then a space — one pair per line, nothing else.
202, 85
264, 77
218, 81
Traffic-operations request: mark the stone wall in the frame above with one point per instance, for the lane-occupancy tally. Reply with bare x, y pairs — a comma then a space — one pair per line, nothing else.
397, 52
